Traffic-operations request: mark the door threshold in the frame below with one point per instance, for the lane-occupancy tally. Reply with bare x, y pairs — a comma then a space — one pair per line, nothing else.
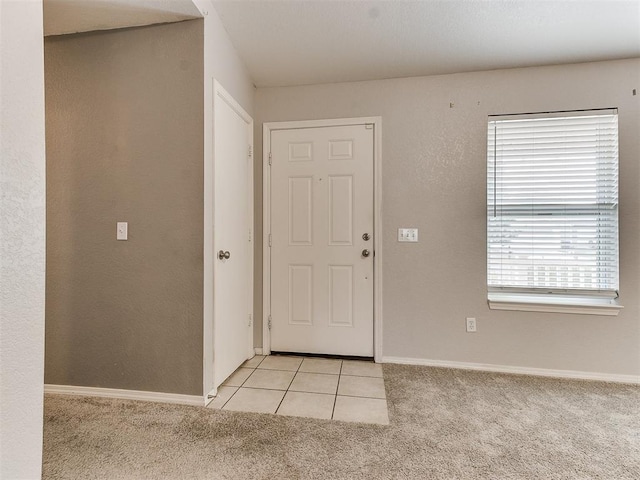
324, 355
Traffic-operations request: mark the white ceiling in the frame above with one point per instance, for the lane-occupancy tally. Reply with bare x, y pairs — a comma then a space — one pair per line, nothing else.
72, 16
297, 42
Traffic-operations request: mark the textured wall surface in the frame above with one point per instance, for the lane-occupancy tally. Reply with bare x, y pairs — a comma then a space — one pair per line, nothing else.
22, 239
434, 178
222, 63
125, 143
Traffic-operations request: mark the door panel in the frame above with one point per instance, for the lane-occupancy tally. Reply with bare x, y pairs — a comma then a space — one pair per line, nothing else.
301, 294
232, 223
340, 210
321, 205
300, 211
341, 295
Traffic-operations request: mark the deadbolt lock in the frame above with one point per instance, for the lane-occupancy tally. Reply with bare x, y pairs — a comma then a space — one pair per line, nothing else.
366, 237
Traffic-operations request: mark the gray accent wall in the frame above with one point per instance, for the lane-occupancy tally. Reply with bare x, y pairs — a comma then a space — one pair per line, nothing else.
125, 142
434, 178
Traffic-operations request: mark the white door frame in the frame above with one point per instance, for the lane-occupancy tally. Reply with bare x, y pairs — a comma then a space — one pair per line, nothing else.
210, 264
377, 220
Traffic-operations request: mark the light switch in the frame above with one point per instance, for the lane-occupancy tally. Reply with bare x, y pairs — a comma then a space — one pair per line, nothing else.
122, 231
407, 234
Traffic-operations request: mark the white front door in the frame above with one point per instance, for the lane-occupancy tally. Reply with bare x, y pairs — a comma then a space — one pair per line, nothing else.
322, 211
233, 219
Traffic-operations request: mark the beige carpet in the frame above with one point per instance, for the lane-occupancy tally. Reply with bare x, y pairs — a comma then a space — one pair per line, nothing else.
445, 424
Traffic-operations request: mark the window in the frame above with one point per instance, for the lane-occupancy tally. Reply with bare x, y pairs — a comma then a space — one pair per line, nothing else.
552, 211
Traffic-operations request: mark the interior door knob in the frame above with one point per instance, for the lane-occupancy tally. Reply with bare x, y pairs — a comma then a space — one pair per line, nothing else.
223, 255
365, 253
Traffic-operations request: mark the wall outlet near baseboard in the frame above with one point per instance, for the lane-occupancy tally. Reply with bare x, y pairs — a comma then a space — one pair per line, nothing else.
471, 325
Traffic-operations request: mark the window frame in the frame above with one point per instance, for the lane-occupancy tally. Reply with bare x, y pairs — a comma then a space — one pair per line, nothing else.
549, 299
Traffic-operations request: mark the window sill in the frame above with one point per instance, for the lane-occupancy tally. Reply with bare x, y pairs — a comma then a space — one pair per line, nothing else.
553, 304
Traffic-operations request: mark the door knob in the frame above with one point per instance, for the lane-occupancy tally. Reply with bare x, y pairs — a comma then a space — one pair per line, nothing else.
223, 255
366, 237
365, 253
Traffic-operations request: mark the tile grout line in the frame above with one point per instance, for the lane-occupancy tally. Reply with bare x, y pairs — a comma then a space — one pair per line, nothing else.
229, 399
335, 398
238, 389
268, 389
316, 373
287, 390
359, 396
319, 373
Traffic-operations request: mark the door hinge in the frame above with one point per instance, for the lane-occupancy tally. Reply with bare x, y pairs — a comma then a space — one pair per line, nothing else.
250, 319
249, 234
269, 322
270, 158
269, 239
250, 151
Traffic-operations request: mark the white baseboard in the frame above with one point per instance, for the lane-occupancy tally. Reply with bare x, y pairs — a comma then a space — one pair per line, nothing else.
258, 351
540, 372
125, 394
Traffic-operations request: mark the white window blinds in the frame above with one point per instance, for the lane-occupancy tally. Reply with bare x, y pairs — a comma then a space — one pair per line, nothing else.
552, 198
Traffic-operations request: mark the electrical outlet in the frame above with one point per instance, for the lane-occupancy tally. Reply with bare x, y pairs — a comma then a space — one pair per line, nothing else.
471, 325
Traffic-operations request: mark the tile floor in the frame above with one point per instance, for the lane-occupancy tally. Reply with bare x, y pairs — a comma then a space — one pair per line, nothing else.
347, 390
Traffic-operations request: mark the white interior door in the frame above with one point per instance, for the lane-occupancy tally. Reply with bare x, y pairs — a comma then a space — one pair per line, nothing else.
322, 212
233, 221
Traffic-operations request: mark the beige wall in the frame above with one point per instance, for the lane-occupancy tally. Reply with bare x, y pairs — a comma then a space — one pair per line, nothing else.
22, 239
125, 142
434, 178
